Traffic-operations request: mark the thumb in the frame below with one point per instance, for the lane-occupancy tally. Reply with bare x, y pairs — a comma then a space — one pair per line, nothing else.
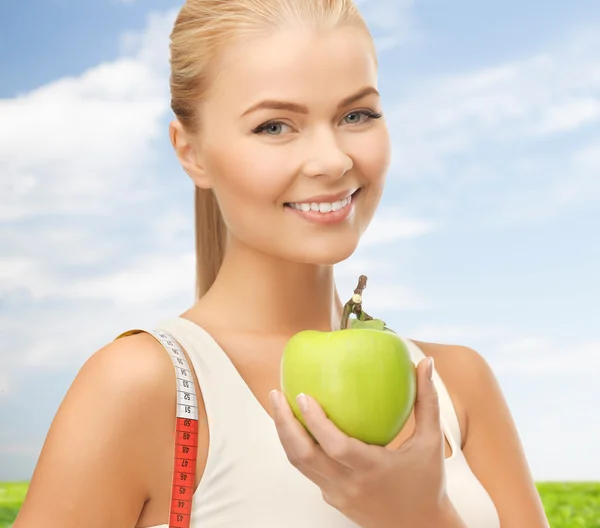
427, 406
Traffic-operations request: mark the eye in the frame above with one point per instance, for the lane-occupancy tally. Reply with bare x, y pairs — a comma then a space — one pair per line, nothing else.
271, 128
366, 114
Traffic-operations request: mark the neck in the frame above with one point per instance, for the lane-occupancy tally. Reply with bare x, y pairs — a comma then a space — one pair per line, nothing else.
259, 293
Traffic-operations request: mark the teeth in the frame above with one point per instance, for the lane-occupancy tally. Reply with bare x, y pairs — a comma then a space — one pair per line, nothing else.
322, 207
336, 206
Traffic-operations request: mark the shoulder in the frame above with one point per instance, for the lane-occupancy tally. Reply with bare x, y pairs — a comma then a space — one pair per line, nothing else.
137, 362
132, 373
453, 356
491, 442
132, 380
458, 364
467, 376
112, 422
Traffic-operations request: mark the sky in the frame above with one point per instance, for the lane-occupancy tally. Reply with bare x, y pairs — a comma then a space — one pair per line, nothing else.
487, 235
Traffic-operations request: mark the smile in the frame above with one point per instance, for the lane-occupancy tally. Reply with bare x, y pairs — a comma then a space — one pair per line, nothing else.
325, 207
325, 212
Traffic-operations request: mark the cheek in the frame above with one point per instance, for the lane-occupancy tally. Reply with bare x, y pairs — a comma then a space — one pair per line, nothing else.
250, 182
248, 172
372, 155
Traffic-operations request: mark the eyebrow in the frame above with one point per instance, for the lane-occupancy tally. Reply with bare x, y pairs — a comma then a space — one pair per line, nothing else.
301, 109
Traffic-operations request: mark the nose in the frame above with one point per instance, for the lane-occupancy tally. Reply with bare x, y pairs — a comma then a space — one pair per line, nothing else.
326, 158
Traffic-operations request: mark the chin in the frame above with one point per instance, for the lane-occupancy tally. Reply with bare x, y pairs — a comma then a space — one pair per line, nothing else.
324, 254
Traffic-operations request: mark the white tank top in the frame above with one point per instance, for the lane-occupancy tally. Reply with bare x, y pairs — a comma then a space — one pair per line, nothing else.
248, 480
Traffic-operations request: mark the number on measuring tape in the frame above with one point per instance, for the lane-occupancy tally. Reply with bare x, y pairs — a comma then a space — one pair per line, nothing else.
186, 435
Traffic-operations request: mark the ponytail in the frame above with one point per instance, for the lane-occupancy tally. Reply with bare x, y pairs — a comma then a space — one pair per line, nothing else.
210, 239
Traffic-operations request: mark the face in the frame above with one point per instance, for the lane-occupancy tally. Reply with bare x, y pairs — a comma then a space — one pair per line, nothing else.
293, 123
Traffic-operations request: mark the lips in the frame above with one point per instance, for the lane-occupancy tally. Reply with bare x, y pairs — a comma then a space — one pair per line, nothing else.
324, 213
327, 198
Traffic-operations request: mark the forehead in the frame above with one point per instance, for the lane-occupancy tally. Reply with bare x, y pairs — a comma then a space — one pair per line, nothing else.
296, 63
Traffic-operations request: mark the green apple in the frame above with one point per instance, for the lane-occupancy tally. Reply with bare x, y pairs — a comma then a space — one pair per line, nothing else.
362, 376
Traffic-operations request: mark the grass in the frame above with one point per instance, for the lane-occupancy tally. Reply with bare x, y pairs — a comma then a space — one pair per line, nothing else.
571, 504
567, 505
11, 498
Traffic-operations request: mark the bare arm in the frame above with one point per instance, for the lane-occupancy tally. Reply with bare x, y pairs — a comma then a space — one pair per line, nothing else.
493, 447
96, 466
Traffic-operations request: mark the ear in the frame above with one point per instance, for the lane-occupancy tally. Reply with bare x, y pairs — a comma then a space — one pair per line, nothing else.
187, 155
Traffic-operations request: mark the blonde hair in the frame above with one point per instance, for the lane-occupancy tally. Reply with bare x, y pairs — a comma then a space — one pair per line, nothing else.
202, 29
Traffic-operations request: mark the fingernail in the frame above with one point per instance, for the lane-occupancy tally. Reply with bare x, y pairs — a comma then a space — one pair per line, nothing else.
302, 402
274, 399
430, 369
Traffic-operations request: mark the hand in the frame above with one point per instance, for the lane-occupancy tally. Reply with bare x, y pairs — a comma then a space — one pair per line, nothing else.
374, 486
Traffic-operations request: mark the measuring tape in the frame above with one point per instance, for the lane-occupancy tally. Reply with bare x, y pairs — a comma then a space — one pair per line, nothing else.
186, 432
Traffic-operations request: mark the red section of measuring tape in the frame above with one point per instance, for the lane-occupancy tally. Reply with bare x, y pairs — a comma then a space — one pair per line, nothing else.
186, 446
179, 520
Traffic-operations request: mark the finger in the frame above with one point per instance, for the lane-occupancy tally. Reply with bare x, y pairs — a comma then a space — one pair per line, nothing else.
302, 451
427, 407
347, 451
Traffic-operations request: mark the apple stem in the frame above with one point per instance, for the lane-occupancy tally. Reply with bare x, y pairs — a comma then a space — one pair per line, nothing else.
354, 305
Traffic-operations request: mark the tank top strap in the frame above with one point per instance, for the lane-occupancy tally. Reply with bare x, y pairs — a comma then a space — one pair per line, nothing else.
224, 393
448, 415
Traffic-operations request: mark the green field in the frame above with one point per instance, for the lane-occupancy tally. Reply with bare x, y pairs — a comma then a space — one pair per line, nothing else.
568, 505
11, 497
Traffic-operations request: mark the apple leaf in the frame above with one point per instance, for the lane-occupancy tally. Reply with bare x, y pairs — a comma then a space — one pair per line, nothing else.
373, 324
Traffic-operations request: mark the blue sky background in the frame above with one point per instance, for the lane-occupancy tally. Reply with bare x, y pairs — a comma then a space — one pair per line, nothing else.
487, 235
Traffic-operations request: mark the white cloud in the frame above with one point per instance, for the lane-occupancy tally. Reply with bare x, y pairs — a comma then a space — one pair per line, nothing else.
151, 45
391, 297
70, 126
461, 334
88, 138
518, 355
383, 299
88, 160
390, 225
542, 357
506, 103
384, 294
20, 448
376, 259
392, 22
5, 386
569, 114
486, 119
546, 446
582, 182
148, 279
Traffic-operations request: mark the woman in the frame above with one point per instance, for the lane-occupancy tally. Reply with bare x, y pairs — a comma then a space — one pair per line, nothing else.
279, 126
